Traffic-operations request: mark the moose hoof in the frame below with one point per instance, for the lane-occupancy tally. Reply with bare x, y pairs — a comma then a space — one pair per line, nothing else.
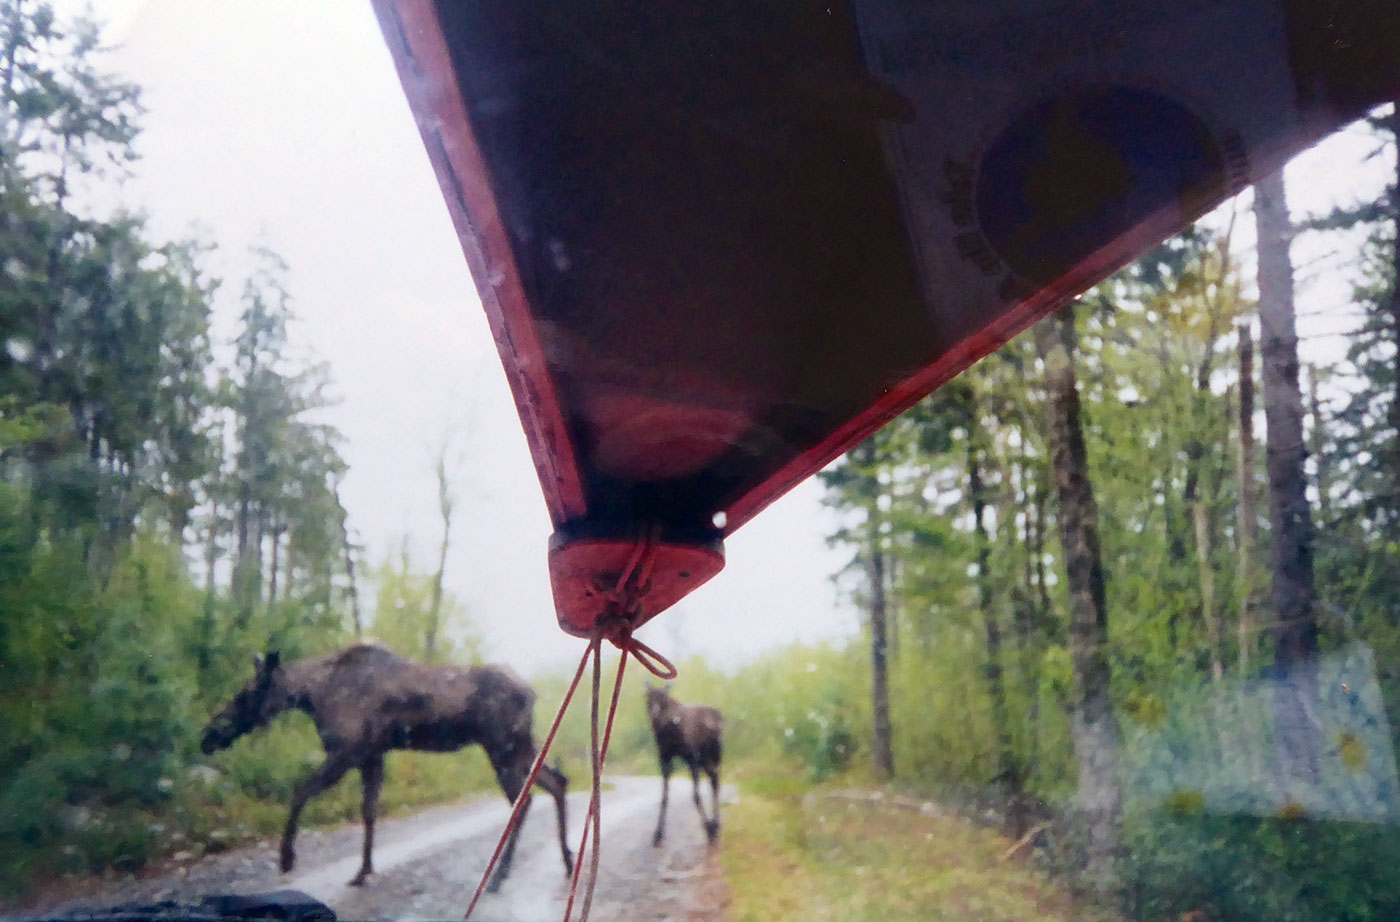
359, 880
289, 860
656, 841
712, 832
494, 886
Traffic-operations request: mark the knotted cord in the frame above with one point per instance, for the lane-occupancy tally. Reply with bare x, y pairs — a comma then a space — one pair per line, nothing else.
615, 626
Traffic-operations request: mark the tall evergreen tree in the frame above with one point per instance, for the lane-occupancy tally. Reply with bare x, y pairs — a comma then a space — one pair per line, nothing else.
856, 484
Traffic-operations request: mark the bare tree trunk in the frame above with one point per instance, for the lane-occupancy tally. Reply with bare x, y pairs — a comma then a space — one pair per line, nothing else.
1094, 731
243, 533
1036, 529
256, 546
1295, 627
1196, 457
1176, 522
1008, 777
1195, 447
289, 571
1285, 454
248, 568
181, 503
445, 504
352, 588
272, 570
1035, 608
246, 577
1205, 550
1245, 514
211, 552
879, 666
205, 657
883, 743
892, 607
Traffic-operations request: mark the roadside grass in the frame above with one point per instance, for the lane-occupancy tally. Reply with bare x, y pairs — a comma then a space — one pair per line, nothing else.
245, 800
791, 853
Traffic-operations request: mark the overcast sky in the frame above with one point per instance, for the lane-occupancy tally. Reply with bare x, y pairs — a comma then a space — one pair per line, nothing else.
282, 121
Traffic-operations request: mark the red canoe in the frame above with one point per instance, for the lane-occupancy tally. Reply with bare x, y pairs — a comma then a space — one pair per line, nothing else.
721, 242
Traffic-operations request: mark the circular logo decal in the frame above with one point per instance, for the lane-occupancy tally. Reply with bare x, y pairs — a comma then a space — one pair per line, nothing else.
1079, 169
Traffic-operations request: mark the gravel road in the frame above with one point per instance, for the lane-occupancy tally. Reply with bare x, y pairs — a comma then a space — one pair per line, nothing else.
427, 865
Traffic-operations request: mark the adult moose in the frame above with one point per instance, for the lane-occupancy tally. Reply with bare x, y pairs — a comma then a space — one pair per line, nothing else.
366, 700
692, 734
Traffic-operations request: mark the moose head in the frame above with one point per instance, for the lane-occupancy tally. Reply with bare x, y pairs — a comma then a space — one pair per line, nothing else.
253, 706
659, 700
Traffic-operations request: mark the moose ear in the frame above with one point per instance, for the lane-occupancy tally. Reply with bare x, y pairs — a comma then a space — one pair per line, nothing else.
274, 659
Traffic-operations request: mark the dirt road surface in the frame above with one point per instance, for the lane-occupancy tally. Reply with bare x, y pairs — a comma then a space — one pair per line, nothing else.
427, 865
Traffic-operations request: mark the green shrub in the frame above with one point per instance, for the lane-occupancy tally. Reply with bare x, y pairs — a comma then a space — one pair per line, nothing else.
1253, 869
823, 739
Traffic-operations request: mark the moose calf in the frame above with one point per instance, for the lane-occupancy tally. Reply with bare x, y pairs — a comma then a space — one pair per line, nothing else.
692, 734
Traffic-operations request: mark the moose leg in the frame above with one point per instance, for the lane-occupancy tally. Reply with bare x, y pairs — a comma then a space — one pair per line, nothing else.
511, 776
712, 827
556, 785
665, 789
695, 796
330, 771
371, 779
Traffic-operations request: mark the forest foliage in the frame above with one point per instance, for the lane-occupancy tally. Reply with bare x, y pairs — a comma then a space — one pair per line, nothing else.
169, 503
1241, 629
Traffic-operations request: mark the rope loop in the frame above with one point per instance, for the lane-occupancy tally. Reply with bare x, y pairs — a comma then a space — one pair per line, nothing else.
618, 632
652, 661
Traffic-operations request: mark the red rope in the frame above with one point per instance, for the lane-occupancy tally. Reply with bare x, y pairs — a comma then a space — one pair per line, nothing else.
529, 781
590, 816
595, 801
615, 626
